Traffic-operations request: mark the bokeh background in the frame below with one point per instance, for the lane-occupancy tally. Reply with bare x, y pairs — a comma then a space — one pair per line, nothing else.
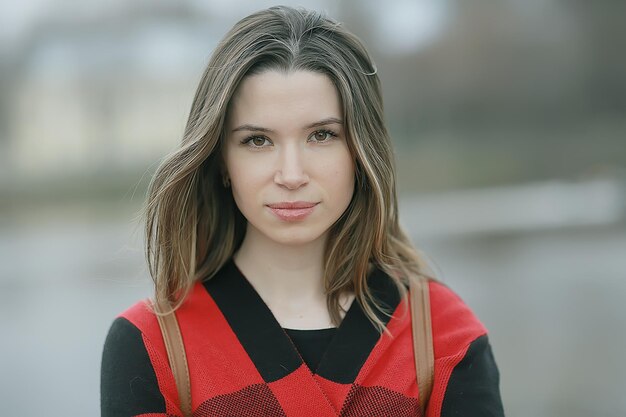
509, 123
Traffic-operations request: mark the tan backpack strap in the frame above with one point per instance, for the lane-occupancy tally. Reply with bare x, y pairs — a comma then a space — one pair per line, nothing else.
422, 339
177, 358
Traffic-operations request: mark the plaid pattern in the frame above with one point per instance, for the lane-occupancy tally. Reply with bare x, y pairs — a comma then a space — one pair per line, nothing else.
242, 364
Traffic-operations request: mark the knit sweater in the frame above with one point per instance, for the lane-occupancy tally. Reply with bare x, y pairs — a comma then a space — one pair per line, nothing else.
242, 363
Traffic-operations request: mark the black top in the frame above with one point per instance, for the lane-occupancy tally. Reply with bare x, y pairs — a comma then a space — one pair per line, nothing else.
311, 344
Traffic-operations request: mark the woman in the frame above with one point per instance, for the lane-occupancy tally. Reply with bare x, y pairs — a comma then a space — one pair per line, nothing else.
273, 233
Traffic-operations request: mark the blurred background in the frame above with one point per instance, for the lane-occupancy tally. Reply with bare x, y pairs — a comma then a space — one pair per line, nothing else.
509, 123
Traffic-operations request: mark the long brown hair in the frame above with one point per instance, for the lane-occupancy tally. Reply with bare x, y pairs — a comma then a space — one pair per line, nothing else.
193, 225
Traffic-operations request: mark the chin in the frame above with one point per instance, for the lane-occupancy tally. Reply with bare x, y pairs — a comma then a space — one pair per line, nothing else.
301, 237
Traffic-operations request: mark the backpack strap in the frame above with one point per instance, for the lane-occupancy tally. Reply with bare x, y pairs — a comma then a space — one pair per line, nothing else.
176, 355
422, 339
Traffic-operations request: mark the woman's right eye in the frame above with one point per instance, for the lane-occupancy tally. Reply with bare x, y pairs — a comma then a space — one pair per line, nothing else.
256, 141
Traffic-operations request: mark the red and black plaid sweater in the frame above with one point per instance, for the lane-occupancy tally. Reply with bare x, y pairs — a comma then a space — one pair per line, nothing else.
242, 363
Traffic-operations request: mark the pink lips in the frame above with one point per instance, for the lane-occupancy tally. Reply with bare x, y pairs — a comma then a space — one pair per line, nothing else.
292, 211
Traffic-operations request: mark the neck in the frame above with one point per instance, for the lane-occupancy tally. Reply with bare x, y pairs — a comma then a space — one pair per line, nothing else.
283, 271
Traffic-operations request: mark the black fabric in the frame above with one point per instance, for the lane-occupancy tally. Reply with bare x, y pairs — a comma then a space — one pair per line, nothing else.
270, 348
128, 383
473, 388
311, 344
251, 320
356, 336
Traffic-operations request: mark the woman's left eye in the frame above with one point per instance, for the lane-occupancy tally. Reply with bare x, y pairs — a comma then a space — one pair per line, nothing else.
323, 135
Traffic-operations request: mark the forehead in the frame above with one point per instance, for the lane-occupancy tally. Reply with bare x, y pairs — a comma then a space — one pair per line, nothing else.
284, 98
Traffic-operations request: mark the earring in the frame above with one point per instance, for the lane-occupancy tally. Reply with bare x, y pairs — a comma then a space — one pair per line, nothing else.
225, 181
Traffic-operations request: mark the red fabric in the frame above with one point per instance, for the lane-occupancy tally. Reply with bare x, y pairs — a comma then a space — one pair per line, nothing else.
454, 328
223, 377
207, 336
152, 415
298, 393
143, 318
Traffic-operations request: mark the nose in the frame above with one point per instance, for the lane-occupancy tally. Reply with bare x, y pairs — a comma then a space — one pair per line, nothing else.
291, 172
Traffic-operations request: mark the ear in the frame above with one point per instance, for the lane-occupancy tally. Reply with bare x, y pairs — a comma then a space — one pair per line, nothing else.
225, 181
223, 172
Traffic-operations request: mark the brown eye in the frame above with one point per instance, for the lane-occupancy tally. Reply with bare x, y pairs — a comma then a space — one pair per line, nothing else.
323, 136
258, 141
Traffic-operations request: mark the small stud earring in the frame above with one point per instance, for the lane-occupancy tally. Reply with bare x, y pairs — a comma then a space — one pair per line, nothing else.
225, 181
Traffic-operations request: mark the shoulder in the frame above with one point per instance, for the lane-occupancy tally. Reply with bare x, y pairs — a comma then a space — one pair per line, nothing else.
454, 324
141, 319
136, 332
135, 377
140, 315
131, 334
124, 346
466, 371
128, 379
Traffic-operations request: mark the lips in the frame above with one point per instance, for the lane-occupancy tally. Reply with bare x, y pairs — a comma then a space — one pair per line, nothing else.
292, 205
292, 211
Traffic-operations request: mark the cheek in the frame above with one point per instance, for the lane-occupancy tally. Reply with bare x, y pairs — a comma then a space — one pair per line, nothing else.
245, 172
340, 173
244, 191
343, 177
347, 183
241, 182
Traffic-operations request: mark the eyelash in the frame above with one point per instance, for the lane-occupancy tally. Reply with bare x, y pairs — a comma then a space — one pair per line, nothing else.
248, 140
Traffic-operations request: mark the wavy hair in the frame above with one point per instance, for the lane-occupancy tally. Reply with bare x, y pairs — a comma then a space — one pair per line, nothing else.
193, 225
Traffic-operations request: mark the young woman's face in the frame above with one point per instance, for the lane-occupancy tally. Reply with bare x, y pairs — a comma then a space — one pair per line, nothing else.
286, 155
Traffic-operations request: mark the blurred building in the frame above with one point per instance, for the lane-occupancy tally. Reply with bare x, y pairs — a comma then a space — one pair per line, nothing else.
474, 92
105, 93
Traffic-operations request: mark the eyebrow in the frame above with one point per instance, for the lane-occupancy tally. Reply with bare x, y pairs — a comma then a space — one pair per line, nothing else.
323, 122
